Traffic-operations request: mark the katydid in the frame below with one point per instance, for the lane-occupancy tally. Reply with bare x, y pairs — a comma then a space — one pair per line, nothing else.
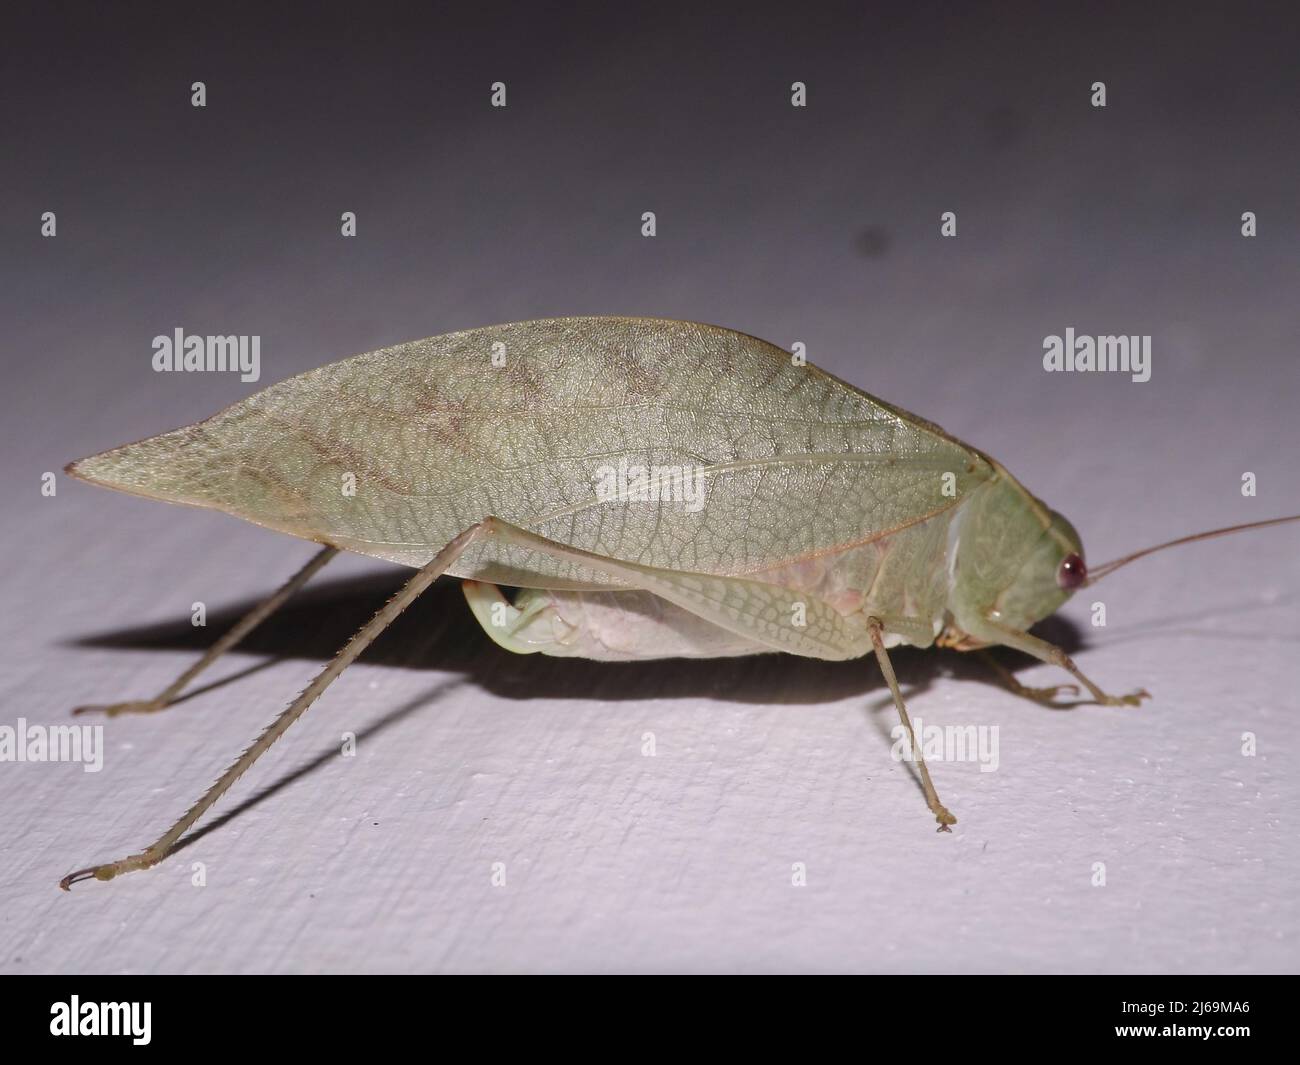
651, 488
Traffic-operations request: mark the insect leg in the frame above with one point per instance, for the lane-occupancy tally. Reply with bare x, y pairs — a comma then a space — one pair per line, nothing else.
157, 851
502, 621
773, 616
1045, 696
763, 612
876, 628
241, 628
994, 632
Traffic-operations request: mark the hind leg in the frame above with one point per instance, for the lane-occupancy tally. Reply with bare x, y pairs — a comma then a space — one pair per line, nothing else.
241, 628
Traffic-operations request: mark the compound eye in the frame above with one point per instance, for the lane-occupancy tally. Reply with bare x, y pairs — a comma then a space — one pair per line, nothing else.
1072, 574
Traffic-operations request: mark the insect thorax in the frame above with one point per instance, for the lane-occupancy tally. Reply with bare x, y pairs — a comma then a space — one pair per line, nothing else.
1005, 552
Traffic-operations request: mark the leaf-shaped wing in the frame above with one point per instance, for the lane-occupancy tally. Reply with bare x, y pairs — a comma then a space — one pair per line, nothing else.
750, 461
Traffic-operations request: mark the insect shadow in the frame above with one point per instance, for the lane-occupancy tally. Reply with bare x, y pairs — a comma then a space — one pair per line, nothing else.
437, 632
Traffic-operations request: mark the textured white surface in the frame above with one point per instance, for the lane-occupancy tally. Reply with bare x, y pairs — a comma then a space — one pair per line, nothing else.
468, 756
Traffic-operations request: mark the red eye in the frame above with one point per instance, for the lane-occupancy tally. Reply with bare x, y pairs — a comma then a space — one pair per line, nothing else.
1072, 574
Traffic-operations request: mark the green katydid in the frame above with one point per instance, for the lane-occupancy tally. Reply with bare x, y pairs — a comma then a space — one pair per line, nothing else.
826, 522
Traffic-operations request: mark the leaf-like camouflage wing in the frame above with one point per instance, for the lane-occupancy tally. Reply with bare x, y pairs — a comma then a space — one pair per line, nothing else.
533, 421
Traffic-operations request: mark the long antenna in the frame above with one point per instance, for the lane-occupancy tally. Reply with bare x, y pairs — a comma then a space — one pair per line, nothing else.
1110, 567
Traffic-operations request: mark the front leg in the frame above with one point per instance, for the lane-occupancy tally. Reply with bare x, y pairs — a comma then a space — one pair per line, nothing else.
992, 631
1042, 696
